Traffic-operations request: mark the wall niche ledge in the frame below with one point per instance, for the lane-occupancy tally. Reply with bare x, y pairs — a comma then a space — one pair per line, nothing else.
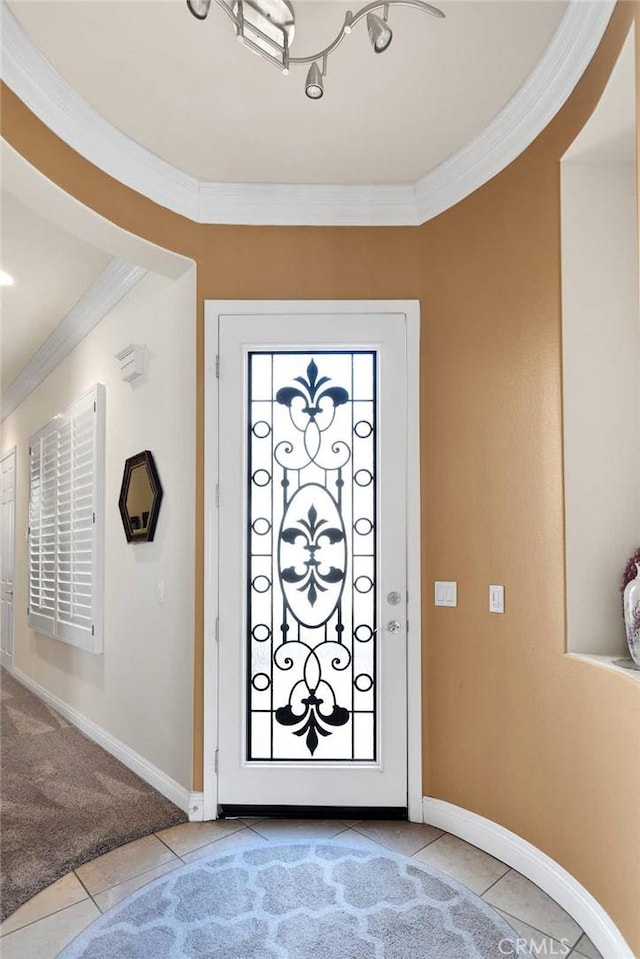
607, 662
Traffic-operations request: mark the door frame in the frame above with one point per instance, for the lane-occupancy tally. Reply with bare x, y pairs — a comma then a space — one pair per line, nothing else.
213, 309
13, 451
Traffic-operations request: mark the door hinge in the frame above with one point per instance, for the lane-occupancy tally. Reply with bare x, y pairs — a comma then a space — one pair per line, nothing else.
217, 366
93, 630
217, 495
217, 630
215, 761
94, 517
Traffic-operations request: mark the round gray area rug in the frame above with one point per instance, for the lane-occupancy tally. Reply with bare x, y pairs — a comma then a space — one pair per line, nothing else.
317, 900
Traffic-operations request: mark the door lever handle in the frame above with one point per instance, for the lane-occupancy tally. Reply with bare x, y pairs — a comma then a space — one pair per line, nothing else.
393, 626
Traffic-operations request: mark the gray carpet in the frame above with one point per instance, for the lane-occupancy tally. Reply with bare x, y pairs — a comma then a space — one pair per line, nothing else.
63, 799
318, 900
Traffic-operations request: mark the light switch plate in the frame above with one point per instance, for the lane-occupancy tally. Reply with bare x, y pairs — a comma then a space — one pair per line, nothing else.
446, 594
496, 599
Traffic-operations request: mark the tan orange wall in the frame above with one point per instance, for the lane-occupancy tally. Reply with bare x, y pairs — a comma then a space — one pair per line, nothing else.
516, 730
637, 51
513, 729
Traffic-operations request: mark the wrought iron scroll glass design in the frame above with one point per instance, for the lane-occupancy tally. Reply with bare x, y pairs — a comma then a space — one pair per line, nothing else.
311, 556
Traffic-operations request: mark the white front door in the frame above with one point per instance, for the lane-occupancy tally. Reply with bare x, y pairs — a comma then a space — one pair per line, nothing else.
7, 554
312, 566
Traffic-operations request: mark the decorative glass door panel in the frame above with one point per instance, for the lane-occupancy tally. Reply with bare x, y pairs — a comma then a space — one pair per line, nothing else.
312, 543
311, 540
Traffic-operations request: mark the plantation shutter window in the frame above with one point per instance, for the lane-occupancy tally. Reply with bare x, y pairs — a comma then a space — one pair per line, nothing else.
42, 530
65, 524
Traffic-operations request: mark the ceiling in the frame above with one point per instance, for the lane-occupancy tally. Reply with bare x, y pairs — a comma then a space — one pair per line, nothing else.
188, 92
51, 270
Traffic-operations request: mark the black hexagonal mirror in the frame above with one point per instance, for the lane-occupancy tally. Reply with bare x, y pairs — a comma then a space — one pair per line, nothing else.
140, 498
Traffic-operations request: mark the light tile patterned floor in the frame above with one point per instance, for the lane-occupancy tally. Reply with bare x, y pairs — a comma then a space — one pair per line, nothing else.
42, 927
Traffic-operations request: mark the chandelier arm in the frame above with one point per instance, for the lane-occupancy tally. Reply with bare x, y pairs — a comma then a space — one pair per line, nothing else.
239, 24
229, 12
350, 21
248, 42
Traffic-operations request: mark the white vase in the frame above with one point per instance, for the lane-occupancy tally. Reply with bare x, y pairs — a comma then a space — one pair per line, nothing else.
631, 604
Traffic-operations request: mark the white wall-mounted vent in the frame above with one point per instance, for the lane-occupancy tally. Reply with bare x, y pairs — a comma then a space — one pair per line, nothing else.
133, 362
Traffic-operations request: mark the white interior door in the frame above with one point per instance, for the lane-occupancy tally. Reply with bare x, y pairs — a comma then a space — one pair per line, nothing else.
312, 509
7, 554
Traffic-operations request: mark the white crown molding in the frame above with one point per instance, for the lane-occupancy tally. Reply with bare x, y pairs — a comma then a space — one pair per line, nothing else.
527, 113
73, 119
300, 204
545, 872
67, 114
189, 802
115, 281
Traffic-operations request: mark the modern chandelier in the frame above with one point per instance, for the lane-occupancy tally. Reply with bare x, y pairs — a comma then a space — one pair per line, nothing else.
268, 26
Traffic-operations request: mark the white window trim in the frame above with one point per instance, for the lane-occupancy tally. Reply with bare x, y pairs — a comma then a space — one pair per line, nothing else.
90, 640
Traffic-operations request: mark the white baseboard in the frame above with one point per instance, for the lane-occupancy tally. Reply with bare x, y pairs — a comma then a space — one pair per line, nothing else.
190, 802
536, 866
196, 807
